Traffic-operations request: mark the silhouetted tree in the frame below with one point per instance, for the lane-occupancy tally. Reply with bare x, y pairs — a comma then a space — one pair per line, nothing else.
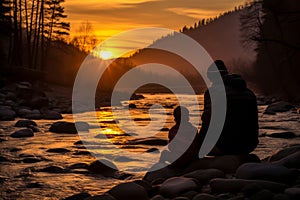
85, 38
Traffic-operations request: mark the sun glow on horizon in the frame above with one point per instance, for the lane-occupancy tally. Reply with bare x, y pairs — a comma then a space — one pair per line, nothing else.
105, 55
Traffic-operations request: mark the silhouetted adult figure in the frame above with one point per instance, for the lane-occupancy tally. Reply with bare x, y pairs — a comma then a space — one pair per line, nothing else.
240, 132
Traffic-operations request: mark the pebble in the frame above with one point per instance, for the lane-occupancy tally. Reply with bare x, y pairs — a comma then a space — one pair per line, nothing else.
25, 123
219, 185
262, 195
79, 166
103, 167
265, 171
7, 115
22, 133
284, 135
175, 186
63, 127
205, 175
284, 153
130, 190
31, 160
293, 193
280, 106
53, 169
52, 115
204, 196
291, 161
58, 150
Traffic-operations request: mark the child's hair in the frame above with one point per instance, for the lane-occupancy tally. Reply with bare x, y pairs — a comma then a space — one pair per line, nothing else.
181, 112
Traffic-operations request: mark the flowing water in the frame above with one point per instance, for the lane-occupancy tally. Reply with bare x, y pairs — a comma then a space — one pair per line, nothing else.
117, 140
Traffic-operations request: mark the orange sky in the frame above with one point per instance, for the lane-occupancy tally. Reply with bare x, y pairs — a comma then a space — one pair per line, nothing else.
110, 17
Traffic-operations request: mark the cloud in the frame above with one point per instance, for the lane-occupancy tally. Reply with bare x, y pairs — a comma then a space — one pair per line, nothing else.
115, 16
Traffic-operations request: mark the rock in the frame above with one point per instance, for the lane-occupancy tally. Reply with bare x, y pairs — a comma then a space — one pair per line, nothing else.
180, 198
34, 185
7, 115
22, 133
203, 196
281, 197
33, 116
136, 97
63, 127
262, 195
149, 141
205, 175
132, 105
291, 161
82, 126
34, 128
53, 169
265, 171
280, 106
82, 153
227, 163
24, 111
80, 196
189, 194
251, 189
126, 191
25, 123
58, 150
163, 172
175, 186
101, 197
52, 115
219, 185
3, 159
284, 153
38, 102
31, 160
158, 197
15, 149
103, 167
285, 135
79, 166
152, 150
293, 193
164, 129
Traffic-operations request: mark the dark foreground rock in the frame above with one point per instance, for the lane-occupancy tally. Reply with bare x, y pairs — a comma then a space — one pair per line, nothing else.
126, 191
25, 123
177, 185
68, 127
22, 133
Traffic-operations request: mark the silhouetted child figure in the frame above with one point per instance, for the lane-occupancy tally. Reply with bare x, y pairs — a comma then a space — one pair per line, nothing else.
186, 136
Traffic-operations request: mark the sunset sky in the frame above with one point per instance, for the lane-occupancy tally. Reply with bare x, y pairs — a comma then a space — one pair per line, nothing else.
110, 17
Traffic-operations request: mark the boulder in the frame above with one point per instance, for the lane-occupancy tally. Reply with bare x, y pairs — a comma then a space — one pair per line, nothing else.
63, 127
291, 161
204, 196
52, 115
220, 185
280, 106
22, 133
263, 195
284, 153
293, 193
103, 167
126, 191
175, 186
265, 171
227, 163
25, 123
205, 175
7, 115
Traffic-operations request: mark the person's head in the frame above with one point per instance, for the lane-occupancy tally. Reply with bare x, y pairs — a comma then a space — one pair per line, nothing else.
217, 67
181, 113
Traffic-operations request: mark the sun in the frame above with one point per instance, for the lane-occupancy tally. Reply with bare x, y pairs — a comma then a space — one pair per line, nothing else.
105, 55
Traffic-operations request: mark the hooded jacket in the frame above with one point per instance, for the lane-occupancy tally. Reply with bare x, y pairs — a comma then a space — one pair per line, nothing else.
240, 131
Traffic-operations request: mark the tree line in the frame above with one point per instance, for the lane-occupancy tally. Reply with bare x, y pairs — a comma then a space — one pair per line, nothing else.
31, 26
